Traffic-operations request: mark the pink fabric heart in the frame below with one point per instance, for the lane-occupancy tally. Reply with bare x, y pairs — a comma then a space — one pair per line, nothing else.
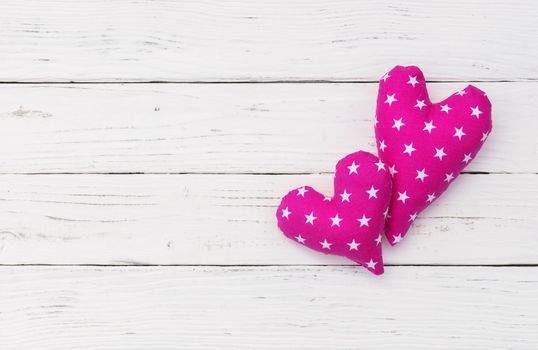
349, 224
424, 145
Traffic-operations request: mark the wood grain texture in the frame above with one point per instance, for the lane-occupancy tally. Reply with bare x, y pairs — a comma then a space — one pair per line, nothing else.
230, 219
226, 128
268, 308
242, 40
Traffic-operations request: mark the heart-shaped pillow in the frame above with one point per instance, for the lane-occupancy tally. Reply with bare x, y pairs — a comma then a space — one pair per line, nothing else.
424, 145
349, 224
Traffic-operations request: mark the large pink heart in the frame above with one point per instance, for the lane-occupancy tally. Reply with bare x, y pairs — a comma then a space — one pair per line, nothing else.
349, 224
424, 145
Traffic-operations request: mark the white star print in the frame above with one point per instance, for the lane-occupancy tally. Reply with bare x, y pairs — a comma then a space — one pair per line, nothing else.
412, 80
345, 196
398, 124
327, 199
301, 191
371, 264
353, 168
412, 217
484, 136
431, 197
459, 133
461, 92
409, 149
325, 244
402, 196
466, 158
445, 108
392, 170
420, 104
386, 213
397, 239
364, 220
300, 239
380, 165
372, 192
336, 221
391, 99
440, 153
449, 177
286, 213
385, 77
475, 112
378, 240
421, 174
429, 126
382, 145
310, 218
353, 245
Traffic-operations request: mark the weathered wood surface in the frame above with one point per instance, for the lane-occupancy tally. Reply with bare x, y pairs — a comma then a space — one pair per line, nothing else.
268, 308
226, 128
230, 219
242, 40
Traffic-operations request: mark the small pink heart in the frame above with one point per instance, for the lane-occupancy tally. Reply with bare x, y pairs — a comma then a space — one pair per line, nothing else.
425, 145
349, 224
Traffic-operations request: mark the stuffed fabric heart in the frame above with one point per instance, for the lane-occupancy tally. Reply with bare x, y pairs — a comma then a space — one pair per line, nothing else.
424, 145
349, 224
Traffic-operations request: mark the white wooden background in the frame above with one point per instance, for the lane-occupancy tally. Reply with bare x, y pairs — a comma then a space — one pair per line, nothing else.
144, 146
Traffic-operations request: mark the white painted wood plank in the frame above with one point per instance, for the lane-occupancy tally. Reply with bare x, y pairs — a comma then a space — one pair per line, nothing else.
87, 40
268, 308
230, 219
225, 128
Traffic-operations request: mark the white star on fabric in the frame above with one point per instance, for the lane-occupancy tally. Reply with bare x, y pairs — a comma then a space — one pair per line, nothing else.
371, 264
412, 217
301, 191
327, 199
300, 239
345, 196
412, 80
409, 149
310, 218
391, 99
431, 197
392, 170
466, 158
353, 245
382, 145
440, 153
385, 77
461, 92
398, 124
420, 104
475, 112
336, 221
286, 213
372, 192
386, 213
353, 168
397, 238
429, 126
421, 174
484, 136
378, 240
449, 177
402, 196
459, 133
325, 244
380, 165
445, 108
364, 220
